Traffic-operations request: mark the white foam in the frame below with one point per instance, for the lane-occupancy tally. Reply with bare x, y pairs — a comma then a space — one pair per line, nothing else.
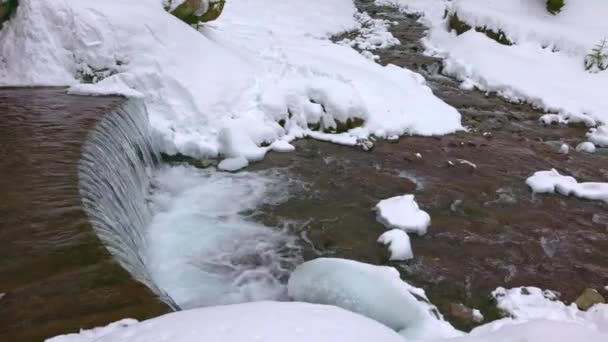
202, 248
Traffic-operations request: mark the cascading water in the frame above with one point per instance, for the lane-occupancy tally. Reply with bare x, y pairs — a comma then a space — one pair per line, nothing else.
182, 231
117, 162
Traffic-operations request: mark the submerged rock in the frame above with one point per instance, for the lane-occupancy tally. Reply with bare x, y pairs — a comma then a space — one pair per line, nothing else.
555, 6
589, 298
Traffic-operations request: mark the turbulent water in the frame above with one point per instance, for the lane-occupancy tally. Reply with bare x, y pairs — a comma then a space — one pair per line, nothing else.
182, 231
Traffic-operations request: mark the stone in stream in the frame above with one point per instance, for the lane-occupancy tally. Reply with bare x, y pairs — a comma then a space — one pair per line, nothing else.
461, 313
589, 298
2, 295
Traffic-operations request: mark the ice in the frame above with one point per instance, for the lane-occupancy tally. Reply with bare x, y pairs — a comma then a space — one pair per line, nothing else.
261, 321
553, 182
373, 291
201, 247
403, 212
586, 147
564, 149
233, 164
263, 72
398, 244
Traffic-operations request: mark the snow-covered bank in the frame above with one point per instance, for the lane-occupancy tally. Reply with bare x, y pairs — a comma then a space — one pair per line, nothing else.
202, 250
373, 291
545, 65
553, 182
264, 71
262, 321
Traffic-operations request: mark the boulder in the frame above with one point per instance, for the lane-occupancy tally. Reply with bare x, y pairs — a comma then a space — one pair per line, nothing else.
589, 298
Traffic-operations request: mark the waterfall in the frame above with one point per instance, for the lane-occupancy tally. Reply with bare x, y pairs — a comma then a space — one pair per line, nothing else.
115, 171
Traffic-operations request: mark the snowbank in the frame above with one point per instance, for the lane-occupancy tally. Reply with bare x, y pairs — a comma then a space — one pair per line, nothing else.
262, 321
553, 182
398, 244
403, 212
265, 70
373, 291
546, 63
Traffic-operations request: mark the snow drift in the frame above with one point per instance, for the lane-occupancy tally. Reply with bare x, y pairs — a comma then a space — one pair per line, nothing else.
266, 71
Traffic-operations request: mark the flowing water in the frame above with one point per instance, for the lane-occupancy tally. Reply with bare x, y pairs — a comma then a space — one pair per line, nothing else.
55, 273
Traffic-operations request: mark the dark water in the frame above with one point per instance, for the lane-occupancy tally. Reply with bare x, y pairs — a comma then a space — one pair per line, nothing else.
56, 274
487, 230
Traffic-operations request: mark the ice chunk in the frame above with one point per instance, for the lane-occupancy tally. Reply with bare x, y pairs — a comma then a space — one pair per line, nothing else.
546, 181
373, 291
403, 212
586, 147
552, 182
398, 244
564, 149
233, 164
261, 321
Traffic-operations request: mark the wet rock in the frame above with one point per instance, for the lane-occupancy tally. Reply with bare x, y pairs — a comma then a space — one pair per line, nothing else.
365, 144
461, 313
589, 298
555, 6
2, 295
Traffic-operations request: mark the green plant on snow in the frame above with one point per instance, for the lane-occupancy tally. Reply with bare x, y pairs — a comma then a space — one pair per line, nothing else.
597, 60
555, 6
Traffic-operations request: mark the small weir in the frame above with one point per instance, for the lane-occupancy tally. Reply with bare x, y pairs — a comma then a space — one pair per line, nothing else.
56, 275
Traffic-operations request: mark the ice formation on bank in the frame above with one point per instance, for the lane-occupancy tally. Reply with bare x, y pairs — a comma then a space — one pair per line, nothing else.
553, 182
545, 65
264, 71
398, 244
261, 321
402, 212
373, 291
586, 147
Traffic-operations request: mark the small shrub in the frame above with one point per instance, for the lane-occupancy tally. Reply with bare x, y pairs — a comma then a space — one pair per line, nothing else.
555, 6
597, 60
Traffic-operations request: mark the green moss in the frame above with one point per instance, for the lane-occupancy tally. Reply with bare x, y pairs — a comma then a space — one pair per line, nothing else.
461, 27
555, 6
7, 9
188, 9
349, 124
181, 159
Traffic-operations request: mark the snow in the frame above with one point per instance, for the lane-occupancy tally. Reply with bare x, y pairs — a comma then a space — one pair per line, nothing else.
398, 244
564, 149
233, 164
202, 250
586, 147
376, 292
403, 212
544, 66
477, 316
599, 136
553, 182
224, 90
262, 321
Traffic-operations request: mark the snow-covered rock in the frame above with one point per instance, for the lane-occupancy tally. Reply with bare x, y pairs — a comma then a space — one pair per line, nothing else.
398, 244
553, 182
233, 164
402, 212
599, 136
586, 147
261, 321
564, 149
373, 291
